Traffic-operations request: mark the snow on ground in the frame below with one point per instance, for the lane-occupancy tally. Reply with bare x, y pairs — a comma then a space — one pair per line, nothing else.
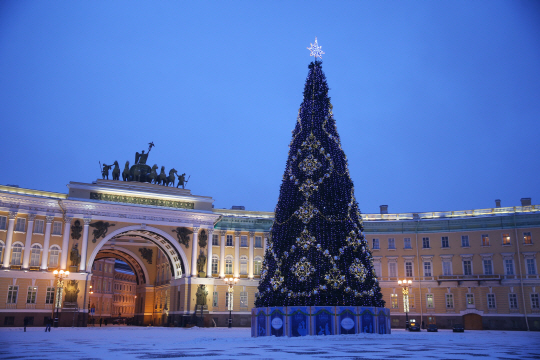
122, 342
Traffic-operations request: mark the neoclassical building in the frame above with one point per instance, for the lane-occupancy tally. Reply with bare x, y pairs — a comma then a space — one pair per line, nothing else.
477, 267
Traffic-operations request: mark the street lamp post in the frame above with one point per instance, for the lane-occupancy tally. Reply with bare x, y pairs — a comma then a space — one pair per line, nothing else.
59, 276
230, 282
405, 285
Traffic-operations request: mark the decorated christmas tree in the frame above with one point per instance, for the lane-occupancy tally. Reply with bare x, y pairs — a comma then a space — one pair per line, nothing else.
317, 254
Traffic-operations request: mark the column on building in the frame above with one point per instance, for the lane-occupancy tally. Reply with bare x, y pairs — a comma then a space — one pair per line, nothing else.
250, 261
266, 233
237, 254
45, 255
209, 255
28, 242
9, 239
65, 243
84, 245
194, 252
223, 234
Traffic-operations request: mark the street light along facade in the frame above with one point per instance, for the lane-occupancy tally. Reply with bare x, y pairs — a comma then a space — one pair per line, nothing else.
60, 276
405, 284
230, 282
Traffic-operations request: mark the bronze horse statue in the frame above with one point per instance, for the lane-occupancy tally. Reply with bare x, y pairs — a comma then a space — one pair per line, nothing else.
171, 178
116, 171
125, 173
162, 179
153, 175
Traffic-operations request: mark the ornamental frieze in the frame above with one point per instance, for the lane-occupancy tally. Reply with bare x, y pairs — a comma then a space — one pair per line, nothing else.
142, 201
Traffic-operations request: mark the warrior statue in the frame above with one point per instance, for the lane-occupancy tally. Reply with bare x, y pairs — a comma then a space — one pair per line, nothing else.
140, 159
74, 256
182, 180
105, 171
201, 262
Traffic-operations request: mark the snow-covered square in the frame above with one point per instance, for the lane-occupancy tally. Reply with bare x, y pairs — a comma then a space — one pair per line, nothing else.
121, 342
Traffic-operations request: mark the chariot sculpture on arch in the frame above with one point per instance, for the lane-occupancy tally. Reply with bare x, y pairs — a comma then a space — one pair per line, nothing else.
142, 172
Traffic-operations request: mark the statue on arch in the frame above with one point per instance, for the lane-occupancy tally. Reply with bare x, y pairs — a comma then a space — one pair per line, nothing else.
182, 180
201, 262
105, 170
74, 256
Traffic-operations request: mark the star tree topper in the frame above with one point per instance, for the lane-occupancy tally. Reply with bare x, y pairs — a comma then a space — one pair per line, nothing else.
315, 50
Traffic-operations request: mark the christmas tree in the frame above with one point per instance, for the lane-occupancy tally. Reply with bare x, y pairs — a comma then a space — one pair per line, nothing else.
317, 254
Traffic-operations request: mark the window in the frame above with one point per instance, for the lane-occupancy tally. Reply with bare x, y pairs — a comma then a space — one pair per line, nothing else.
465, 241
228, 266
376, 244
31, 297
53, 258
243, 299
467, 267
257, 265
485, 240
9, 320
12, 294
447, 268
16, 256
531, 267
57, 228
408, 269
444, 242
407, 243
506, 239
429, 301
394, 298
49, 295
449, 301
34, 258
527, 238
425, 243
243, 241
535, 301
258, 241
229, 240
21, 225
1, 251
512, 301
377, 268
488, 268
509, 266
243, 265
392, 269
411, 301
427, 268
100, 266
391, 243
38, 226
3, 220
215, 264
215, 240
491, 301
215, 299
470, 299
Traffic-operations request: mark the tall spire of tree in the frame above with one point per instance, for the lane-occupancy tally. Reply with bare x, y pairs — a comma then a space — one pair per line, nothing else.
317, 254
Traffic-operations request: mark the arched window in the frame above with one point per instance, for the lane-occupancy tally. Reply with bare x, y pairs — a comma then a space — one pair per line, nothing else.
257, 264
36, 252
243, 265
215, 264
16, 255
53, 257
229, 265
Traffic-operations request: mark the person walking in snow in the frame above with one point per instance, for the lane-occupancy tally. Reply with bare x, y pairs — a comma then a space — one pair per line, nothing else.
25, 323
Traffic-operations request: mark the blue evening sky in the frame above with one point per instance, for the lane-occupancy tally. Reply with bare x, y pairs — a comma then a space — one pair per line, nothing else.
437, 102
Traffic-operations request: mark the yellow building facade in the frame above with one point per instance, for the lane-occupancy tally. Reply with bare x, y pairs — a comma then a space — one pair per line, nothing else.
477, 267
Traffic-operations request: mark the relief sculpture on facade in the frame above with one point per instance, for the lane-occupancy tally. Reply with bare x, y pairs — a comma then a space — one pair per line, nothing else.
101, 229
182, 234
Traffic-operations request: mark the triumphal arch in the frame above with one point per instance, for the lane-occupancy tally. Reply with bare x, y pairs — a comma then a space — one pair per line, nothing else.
178, 247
